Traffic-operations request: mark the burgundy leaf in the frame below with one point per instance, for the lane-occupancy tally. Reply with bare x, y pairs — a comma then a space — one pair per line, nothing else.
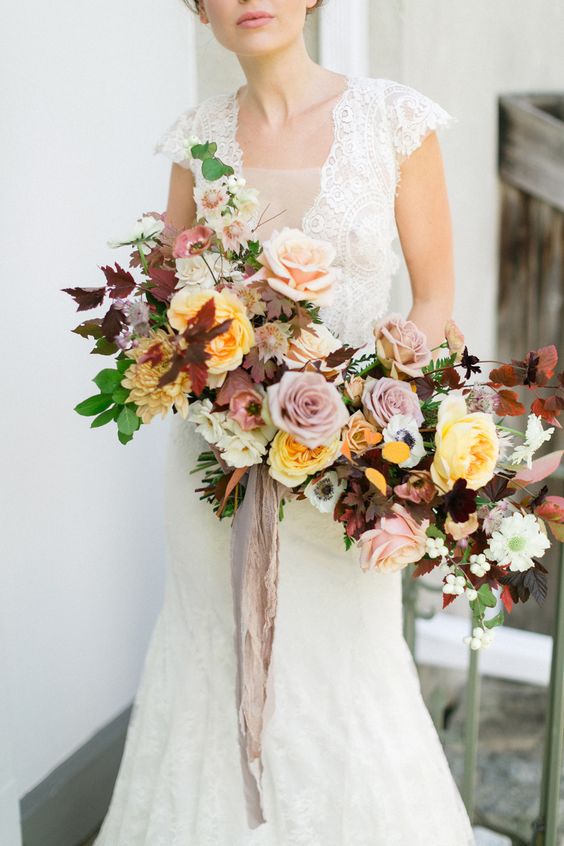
424, 567
153, 355
506, 375
112, 323
425, 387
120, 282
86, 298
339, 356
164, 283
508, 404
450, 377
495, 489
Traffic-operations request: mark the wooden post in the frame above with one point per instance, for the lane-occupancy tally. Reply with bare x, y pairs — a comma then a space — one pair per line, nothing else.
531, 314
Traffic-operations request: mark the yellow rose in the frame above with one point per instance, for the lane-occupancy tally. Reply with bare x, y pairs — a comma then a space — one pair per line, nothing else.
226, 350
467, 446
291, 462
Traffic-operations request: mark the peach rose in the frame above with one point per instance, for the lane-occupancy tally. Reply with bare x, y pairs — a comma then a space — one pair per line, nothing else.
226, 350
467, 446
396, 542
291, 462
359, 435
401, 346
354, 388
299, 267
454, 338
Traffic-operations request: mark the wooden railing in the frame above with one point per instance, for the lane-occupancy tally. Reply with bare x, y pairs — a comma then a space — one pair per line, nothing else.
530, 314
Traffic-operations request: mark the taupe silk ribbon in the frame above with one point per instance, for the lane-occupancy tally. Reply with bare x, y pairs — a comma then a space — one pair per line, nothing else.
254, 581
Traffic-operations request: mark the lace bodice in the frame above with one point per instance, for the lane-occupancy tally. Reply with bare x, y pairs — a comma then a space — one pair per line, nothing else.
377, 123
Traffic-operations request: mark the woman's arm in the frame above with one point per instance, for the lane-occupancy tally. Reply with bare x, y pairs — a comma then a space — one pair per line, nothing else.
424, 227
181, 208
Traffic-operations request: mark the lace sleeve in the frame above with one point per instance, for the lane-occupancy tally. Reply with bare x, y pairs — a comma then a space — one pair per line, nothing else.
412, 116
173, 143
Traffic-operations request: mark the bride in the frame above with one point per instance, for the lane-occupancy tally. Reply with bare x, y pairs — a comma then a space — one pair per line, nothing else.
350, 754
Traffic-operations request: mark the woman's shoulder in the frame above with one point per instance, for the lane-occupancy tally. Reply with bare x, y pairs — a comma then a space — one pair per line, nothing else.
192, 123
409, 113
390, 92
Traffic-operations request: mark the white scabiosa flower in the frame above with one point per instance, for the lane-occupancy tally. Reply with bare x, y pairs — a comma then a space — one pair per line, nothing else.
403, 427
535, 436
325, 493
454, 585
518, 539
145, 230
479, 639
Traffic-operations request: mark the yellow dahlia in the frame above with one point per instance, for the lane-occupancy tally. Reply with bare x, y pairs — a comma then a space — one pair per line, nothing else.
142, 379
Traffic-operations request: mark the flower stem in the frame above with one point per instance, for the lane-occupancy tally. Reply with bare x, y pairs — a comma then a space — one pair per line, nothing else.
142, 257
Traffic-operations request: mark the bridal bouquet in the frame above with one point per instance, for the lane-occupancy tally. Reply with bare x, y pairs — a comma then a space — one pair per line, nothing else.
411, 454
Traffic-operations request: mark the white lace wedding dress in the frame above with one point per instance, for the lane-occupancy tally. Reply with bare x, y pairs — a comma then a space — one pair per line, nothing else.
351, 756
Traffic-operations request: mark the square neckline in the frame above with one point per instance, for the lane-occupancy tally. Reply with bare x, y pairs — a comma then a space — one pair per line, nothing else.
235, 127
321, 169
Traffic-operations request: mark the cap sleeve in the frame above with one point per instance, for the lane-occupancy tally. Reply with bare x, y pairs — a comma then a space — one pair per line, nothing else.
412, 116
174, 141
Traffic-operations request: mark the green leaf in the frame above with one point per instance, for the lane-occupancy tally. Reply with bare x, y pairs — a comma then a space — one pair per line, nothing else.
103, 347
124, 439
120, 395
204, 151
434, 532
93, 405
487, 597
495, 621
213, 169
89, 328
103, 418
123, 363
108, 380
127, 422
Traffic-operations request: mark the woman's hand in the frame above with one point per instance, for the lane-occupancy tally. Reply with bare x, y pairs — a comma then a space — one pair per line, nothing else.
424, 227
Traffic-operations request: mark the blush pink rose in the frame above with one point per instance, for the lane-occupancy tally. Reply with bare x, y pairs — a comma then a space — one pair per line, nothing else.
299, 267
396, 542
192, 242
382, 398
307, 406
401, 346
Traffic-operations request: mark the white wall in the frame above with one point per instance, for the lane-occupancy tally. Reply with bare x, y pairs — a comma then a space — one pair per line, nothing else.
464, 55
91, 87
